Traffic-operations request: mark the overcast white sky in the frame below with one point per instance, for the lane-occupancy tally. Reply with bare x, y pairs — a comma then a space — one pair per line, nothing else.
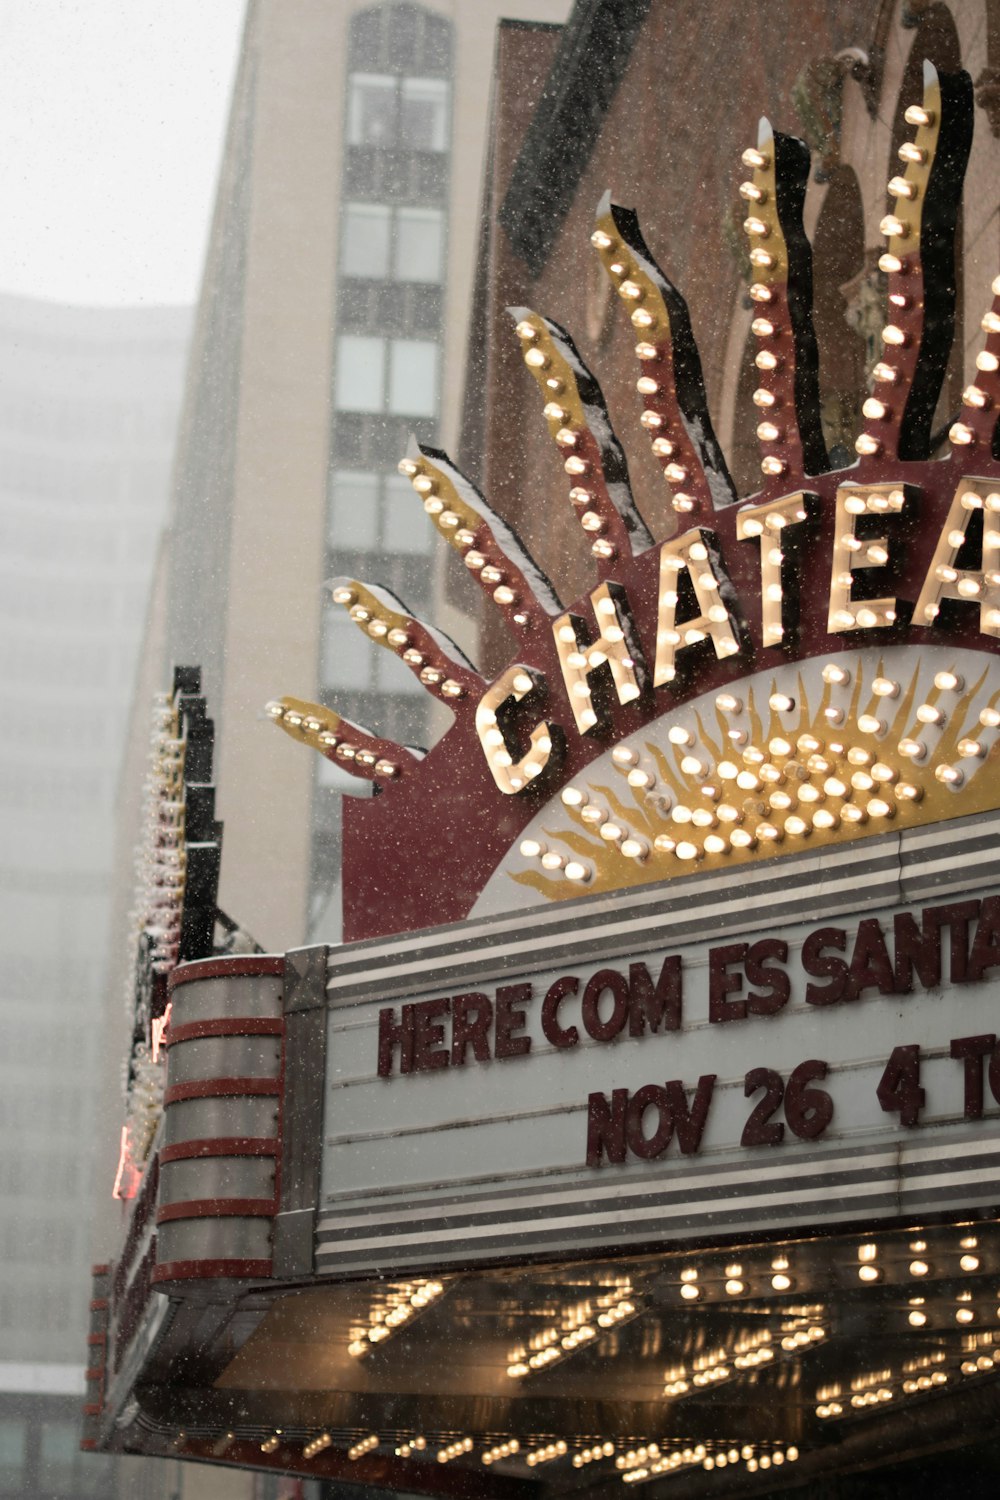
112, 114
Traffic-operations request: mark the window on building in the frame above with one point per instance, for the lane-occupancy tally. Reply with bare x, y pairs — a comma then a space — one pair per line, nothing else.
346, 659
13, 1453
405, 527
395, 677
59, 1447
406, 243
94, 1476
366, 231
413, 378
353, 509
385, 111
360, 380
424, 114
372, 114
419, 245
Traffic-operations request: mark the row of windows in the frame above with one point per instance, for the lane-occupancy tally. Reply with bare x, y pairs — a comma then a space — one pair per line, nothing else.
348, 661
392, 264
376, 513
69, 666
63, 1109
380, 241
401, 717
387, 375
396, 176
26, 472
33, 789
74, 730
377, 440
45, 1173
41, 969
28, 533
405, 309
386, 111
43, 1242
400, 38
97, 604
48, 1461
76, 418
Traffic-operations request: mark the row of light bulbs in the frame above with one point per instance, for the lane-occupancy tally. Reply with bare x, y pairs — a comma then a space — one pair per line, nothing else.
893, 226
432, 671
160, 876
407, 1302
763, 775
679, 1458
461, 531
749, 1352
591, 504
651, 321
575, 1329
634, 1464
344, 751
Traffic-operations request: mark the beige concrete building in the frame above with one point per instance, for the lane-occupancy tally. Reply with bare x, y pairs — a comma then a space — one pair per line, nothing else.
332, 324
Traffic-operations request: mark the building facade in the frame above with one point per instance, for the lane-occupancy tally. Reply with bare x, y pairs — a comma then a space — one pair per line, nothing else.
643, 1131
337, 289
89, 399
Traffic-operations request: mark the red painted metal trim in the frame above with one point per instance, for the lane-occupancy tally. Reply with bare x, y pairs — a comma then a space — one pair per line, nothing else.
238, 966
93, 1409
219, 1145
88, 1445
96, 1372
213, 1270
97, 1338
222, 1088
217, 1208
225, 1026
98, 1304
101, 1270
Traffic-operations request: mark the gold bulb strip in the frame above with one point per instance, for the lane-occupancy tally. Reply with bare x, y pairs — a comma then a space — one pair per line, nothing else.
671, 386
435, 661
489, 548
347, 745
579, 425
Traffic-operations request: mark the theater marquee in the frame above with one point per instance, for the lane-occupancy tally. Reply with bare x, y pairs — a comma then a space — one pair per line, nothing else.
712, 1059
720, 837
682, 942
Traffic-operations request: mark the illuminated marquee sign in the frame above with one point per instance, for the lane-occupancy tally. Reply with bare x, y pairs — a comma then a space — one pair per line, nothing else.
757, 1050
718, 843
814, 666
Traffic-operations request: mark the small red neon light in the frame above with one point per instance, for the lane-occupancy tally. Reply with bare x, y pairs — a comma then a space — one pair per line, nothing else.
126, 1177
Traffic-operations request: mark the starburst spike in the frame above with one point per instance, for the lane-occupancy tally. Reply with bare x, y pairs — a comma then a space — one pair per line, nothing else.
920, 265
977, 419
432, 657
487, 546
592, 456
347, 745
787, 397
672, 387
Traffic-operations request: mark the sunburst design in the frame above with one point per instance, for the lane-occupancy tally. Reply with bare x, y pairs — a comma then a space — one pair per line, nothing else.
806, 758
709, 616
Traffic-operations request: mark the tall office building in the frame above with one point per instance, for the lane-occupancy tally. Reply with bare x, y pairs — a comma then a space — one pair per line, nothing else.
88, 411
332, 325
